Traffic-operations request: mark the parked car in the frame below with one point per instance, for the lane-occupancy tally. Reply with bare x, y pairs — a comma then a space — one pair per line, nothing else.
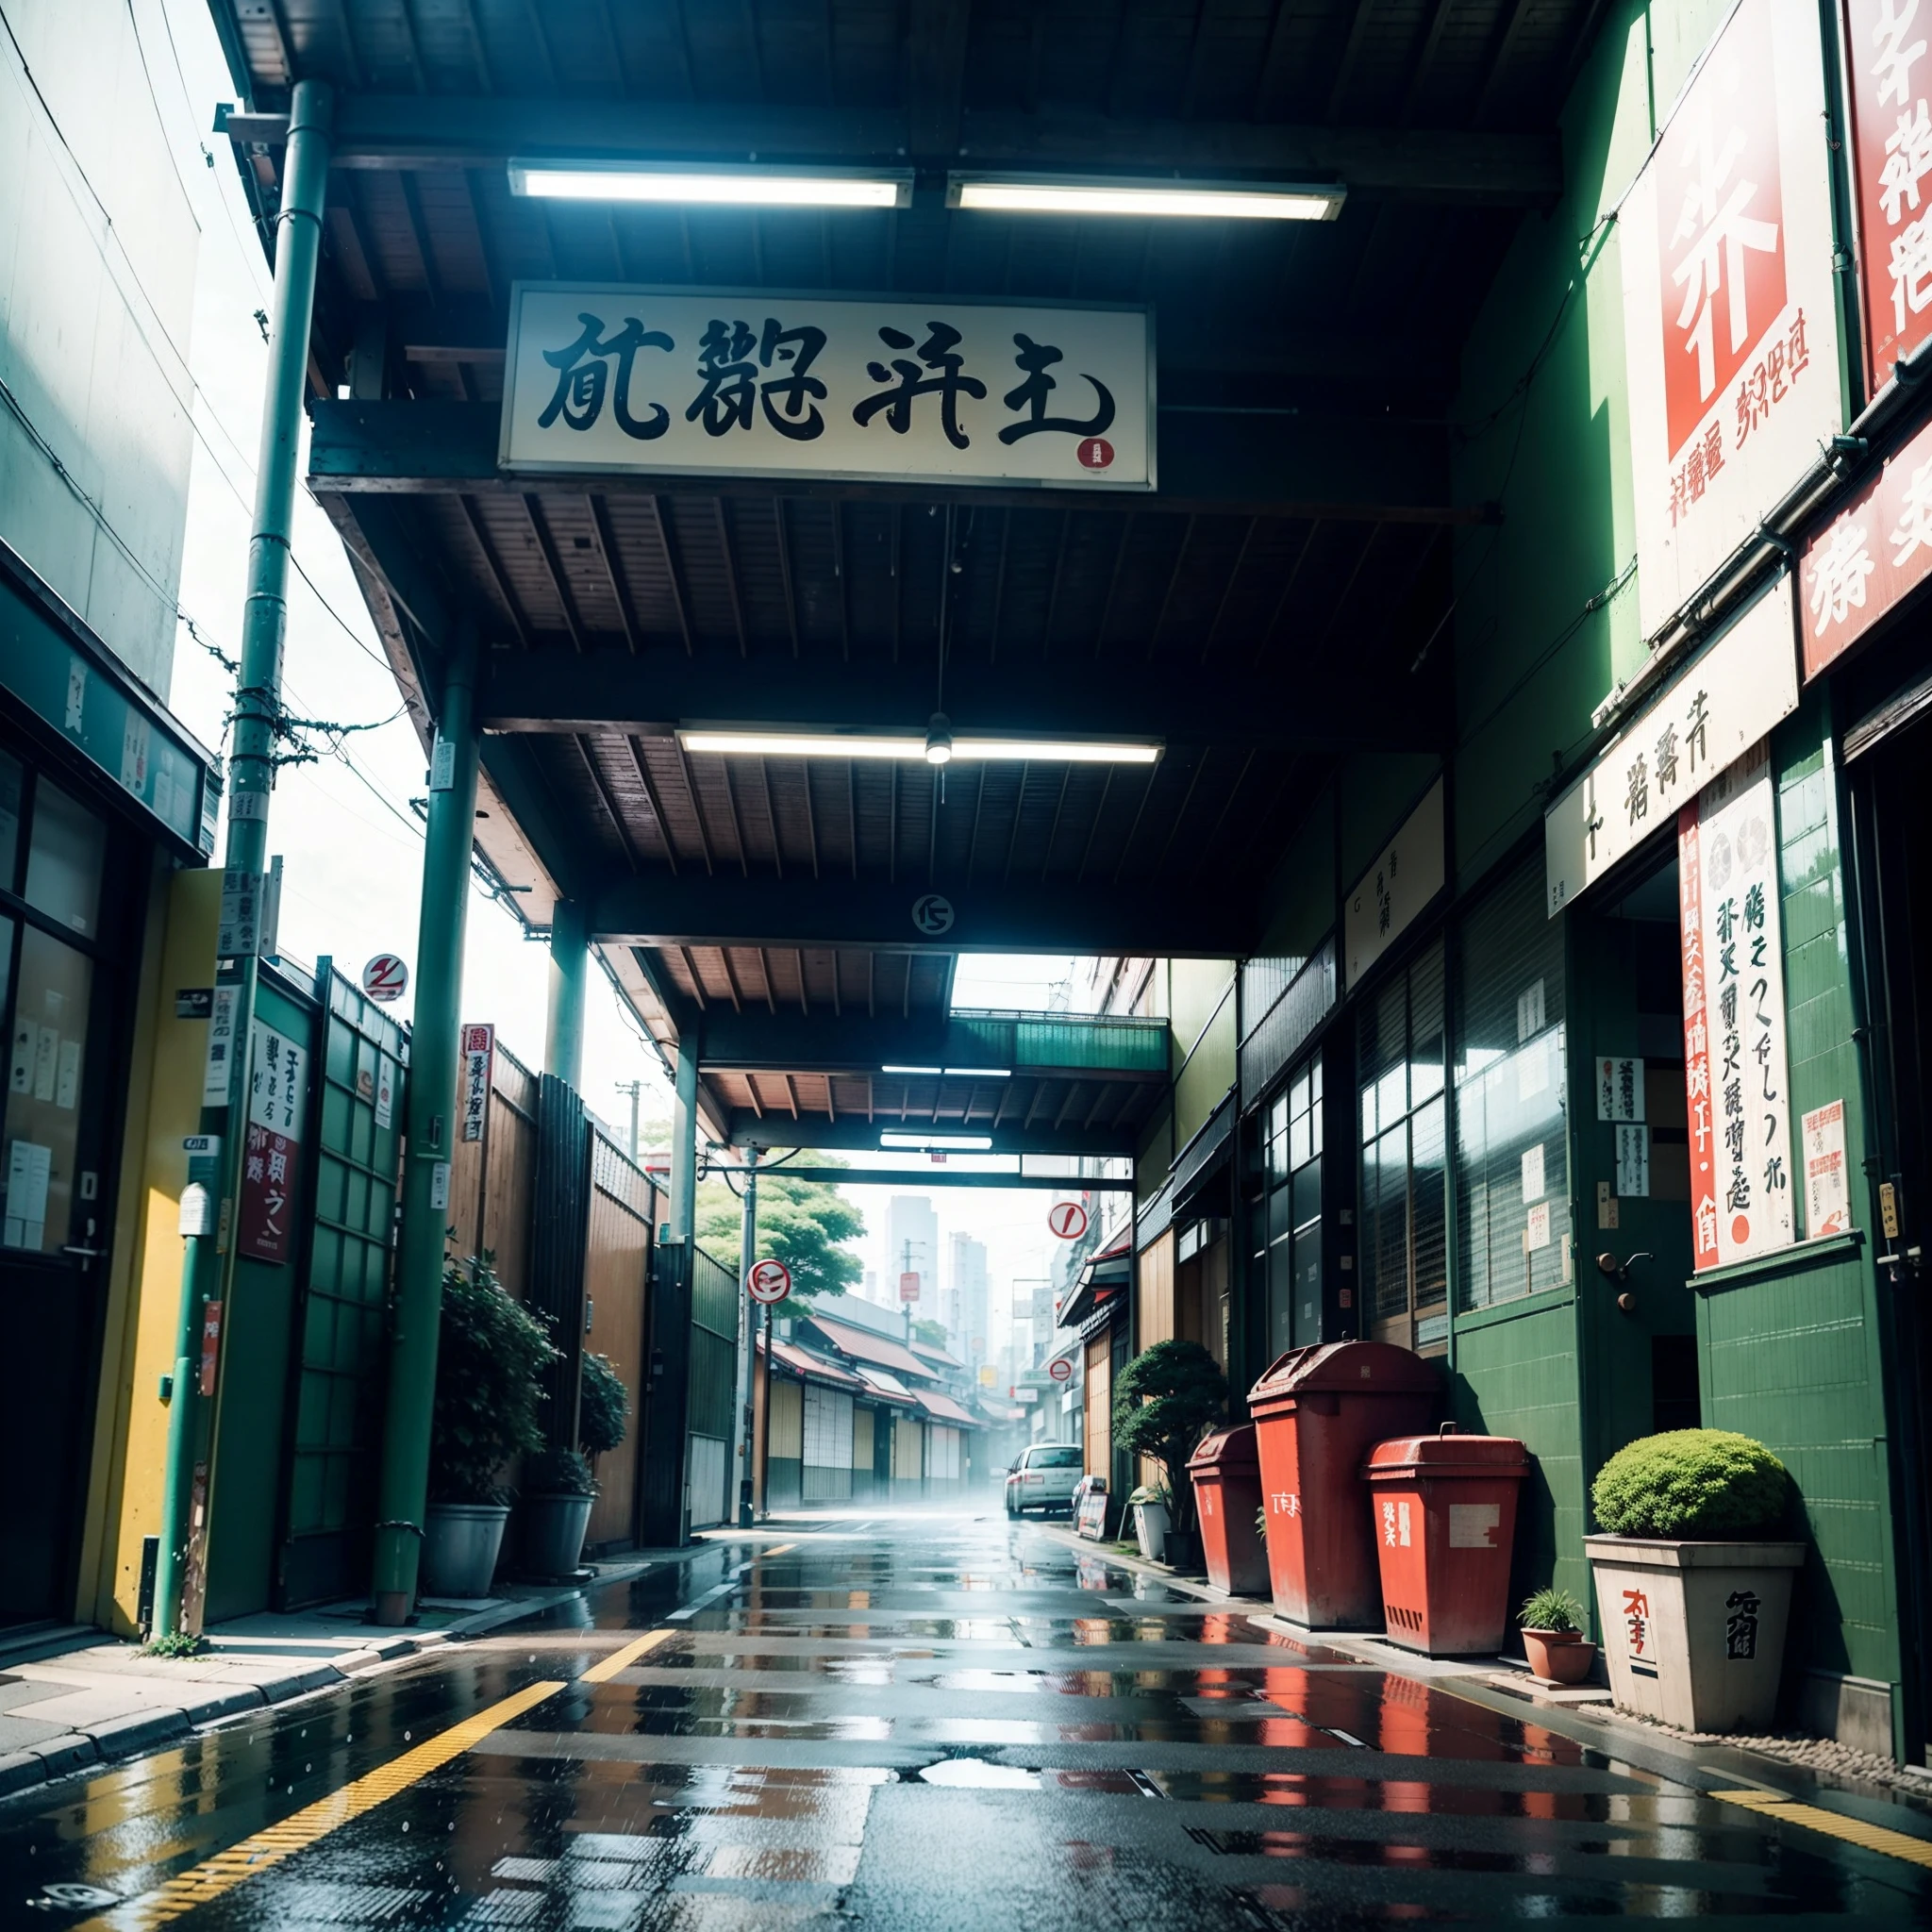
1044, 1478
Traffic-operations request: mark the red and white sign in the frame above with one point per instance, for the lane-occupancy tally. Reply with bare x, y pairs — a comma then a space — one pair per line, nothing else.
1061, 1369
769, 1282
478, 1046
909, 1286
1828, 1181
1890, 72
1067, 1219
1729, 311
384, 979
1870, 557
272, 1148
1737, 1083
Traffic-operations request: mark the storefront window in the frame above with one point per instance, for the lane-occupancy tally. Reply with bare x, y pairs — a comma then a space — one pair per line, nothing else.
1403, 1257
11, 777
1513, 1190
43, 1092
63, 866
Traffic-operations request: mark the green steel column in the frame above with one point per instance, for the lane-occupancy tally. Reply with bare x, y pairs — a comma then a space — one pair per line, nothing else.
684, 1221
257, 706
570, 951
747, 1317
430, 1117
197, 1225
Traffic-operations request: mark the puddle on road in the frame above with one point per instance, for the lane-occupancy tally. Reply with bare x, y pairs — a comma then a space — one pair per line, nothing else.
978, 1773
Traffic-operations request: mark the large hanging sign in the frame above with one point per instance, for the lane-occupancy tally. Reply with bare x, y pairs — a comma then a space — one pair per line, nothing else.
604, 376
1388, 899
1736, 1085
272, 1153
1729, 314
1889, 91
1704, 720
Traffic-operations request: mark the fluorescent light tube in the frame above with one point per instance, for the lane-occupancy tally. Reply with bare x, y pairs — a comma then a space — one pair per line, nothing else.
1050, 194
719, 187
949, 1143
979, 1073
932, 1072
788, 744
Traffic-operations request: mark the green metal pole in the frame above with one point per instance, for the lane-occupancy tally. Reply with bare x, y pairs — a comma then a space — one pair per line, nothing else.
258, 707
404, 1487
684, 1222
747, 1329
563, 1041
197, 1225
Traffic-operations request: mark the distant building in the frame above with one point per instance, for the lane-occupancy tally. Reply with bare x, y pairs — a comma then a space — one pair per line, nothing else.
912, 1247
965, 1301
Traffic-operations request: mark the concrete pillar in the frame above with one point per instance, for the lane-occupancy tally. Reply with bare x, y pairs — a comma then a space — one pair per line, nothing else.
570, 959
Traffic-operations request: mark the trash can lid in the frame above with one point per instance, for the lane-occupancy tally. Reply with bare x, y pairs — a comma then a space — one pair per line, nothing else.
1378, 1368
1447, 1453
1230, 1449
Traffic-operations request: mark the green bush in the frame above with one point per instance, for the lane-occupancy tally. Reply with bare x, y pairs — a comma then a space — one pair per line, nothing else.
603, 1407
1703, 1484
490, 1355
557, 1473
1551, 1610
1167, 1398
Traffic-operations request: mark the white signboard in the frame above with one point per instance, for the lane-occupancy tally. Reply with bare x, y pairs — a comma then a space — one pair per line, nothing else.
1729, 308
478, 1045
1737, 1086
748, 382
1407, 875
1827, 1182
218, 1065
1619, 1089
1706, 719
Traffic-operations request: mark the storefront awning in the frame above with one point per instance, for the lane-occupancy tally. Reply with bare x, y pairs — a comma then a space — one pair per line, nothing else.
866, 1347
812, 1368
886, 1386
943, 1408
1102, 1286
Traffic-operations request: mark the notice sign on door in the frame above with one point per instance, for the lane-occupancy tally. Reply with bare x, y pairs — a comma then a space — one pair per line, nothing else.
1736, 1083
272, 1152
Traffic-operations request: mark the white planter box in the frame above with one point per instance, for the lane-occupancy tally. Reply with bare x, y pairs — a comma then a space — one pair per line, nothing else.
1695, 1632
1150, 1525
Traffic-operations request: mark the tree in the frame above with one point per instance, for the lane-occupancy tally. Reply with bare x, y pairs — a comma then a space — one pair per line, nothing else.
805, 1224
1166, 1400
933, 1334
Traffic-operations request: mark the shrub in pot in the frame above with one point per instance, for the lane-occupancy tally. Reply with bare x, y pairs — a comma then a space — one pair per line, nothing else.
490, 1355
1693, 1585
1553, 1638
1167, 1398
559, 1490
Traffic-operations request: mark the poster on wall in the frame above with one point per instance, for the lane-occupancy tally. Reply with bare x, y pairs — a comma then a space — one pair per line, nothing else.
1737, 1084
1729, 310
272, 1153
1888, 98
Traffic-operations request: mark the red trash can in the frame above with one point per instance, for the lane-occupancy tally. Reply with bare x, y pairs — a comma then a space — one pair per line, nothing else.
1228, 1495
1444, 1514
1316, 1414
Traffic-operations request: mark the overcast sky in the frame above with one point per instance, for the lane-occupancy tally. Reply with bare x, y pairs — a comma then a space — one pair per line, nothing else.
352, 847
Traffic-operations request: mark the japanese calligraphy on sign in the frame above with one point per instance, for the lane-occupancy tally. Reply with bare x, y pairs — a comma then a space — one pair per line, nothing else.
1889, 72
1828, 1181
1870, 557
1729, 311
478, 1048
1737, 1084
1721, 704
750, 382
272, 1143
1407, 875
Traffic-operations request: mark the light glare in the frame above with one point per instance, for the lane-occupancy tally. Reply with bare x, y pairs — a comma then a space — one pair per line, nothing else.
785, 744
1097, 198
750, 187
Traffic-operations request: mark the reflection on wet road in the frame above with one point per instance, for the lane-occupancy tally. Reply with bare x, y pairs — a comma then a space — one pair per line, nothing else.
903, 1722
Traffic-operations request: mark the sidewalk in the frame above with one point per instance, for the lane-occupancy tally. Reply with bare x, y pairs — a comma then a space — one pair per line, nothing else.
102, 1700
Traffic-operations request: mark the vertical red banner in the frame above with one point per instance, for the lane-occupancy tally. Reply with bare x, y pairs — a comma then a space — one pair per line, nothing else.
1696, 1042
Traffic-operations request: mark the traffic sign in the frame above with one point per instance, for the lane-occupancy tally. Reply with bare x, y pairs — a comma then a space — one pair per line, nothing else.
769, 1281
1061, 1369
1067, 1219
384, 979
909, 1286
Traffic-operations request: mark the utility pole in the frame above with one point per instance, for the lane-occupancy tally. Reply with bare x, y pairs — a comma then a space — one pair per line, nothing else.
747, 1331
905, 1268
633, 1088
208, 1272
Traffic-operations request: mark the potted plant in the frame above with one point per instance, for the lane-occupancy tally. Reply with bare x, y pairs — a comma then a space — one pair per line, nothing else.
490, 1355
1150, 1520
1693, 1586
1167, 1398
559, 1490
1553, 1638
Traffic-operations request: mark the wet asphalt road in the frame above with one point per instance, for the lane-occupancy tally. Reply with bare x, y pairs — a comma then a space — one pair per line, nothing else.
903, 1722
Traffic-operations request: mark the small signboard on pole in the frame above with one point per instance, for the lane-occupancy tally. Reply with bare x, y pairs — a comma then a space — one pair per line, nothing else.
384, 979
478, 1046
769, 1281
1067, 1219
909, 1286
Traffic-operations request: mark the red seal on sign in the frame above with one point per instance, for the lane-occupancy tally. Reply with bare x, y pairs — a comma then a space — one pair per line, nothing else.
1095, 453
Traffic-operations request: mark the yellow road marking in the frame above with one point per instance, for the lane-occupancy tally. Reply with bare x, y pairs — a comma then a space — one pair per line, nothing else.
776, 1550
213, 1876
606, 1668
1855, 1831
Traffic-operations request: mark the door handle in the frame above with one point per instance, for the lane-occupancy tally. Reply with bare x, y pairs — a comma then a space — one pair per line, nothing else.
86, 1254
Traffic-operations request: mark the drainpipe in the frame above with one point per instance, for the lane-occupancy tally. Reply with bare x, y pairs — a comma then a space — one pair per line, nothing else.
747, 1316
684, 1221
258, 708
432, 1092
570, 947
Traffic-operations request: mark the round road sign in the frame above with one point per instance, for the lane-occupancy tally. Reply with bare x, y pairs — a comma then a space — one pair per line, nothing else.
384, 979
769, 1281
933, 914
1061, 1370
1067, 1219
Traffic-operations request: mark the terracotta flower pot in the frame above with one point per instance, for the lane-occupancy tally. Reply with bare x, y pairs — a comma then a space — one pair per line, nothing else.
1560, 1657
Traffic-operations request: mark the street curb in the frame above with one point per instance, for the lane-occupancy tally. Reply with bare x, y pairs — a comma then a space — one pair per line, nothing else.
118, 1738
